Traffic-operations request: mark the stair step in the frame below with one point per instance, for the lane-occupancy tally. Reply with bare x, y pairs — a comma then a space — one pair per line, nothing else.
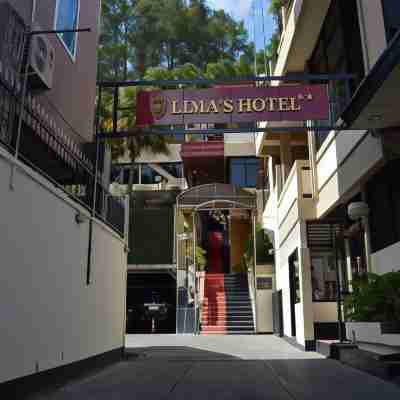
227, 307
206, 327
229, 320
226, 328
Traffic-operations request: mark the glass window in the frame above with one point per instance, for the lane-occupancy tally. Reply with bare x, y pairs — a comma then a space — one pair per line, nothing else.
323, 277
120, 174
150, 176
391, 13
339, 50
238, 173
244, 171
175, 169
67, 15
384, 201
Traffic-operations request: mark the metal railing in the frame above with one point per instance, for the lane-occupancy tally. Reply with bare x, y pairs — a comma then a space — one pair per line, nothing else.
50, 147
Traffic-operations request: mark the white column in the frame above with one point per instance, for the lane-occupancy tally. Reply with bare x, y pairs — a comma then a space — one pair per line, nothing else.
305, 285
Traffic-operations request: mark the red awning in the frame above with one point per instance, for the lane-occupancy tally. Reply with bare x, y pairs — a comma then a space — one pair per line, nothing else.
203, 149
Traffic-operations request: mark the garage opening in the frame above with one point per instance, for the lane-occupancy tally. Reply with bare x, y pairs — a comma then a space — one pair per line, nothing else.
151, 303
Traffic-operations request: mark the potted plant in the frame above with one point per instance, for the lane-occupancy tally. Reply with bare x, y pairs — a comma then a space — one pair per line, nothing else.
373, 307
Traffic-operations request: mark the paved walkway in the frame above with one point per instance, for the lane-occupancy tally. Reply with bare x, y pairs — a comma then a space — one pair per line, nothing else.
224, 368
250, 347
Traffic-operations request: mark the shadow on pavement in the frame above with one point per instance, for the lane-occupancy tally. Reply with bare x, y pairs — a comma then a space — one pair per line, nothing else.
188, 373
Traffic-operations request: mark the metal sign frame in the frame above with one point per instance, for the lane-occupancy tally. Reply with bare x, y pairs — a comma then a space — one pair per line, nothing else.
116, 133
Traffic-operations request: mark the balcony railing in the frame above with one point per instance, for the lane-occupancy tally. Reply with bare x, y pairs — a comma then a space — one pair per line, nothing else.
52, 148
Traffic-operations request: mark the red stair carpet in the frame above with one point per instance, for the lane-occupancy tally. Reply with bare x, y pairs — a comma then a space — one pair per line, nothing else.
227, 306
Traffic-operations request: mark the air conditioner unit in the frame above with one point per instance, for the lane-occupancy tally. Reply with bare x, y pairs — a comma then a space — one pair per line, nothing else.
42, 62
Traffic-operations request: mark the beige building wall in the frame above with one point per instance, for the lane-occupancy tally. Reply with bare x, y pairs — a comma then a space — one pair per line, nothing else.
50, 316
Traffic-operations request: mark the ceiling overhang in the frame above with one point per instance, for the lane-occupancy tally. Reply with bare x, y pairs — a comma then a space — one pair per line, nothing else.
375, 105
301, 36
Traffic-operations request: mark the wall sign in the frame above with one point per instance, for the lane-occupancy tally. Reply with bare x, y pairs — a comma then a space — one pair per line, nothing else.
229, 105
264, 283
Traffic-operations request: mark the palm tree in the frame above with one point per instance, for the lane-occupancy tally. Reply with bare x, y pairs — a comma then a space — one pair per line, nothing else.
138, 141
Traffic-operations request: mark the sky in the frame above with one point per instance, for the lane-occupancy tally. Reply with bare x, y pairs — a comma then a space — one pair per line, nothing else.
244, 10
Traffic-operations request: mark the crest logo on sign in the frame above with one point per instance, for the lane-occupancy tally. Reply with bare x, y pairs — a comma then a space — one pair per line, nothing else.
158, 106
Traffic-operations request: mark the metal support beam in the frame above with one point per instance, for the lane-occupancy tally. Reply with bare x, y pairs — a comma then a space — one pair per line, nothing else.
245, 79
180, 131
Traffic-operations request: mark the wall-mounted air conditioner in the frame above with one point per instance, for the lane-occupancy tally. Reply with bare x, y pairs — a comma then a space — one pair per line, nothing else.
42, 62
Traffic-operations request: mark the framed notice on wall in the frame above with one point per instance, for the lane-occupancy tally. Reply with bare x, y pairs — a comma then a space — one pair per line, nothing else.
264, 283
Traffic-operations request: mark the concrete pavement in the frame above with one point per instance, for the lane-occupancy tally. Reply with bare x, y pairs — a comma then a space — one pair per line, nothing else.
227, 367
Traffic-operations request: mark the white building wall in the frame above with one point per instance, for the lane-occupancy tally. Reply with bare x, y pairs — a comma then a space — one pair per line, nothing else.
282, 276
343, 164
386, 260
50, 317
373, 34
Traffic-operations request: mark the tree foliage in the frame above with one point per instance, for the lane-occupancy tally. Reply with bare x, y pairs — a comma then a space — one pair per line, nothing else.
168, 40
142, 34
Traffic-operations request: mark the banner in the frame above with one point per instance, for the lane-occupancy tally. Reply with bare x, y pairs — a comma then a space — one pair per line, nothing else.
229, 105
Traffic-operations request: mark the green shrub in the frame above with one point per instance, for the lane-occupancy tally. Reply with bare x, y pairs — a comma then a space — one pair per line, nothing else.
376, 299
201, 260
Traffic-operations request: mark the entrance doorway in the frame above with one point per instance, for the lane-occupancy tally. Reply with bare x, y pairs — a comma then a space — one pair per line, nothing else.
294, 282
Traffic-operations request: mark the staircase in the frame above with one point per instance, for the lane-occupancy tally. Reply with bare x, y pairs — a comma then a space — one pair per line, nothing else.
227, 308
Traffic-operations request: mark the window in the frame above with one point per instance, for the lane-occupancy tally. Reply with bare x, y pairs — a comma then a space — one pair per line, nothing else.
67, 16
120, 174
175, 169
383, 193
244, 171
323, 277
149, 176
338, 50
391, 14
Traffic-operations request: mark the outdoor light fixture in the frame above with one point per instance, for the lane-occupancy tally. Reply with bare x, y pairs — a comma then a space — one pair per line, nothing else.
358, 210
80, 218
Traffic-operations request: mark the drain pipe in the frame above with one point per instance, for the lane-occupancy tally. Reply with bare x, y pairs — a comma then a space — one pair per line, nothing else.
255, 269
23, 94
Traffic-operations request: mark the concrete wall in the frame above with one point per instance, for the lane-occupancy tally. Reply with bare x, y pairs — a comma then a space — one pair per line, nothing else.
386, 260
370, 332
50, 317
282, 275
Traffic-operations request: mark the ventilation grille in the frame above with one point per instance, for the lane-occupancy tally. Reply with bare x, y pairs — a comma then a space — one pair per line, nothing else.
322, 235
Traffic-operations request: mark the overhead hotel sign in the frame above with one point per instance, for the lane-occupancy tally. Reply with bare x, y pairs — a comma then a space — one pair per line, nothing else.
228, 105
